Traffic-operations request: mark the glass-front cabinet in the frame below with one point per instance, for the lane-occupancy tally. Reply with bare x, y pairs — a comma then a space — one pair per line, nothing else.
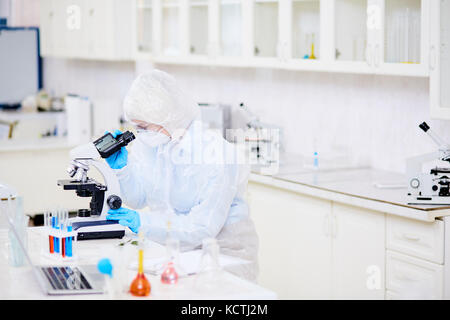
350, 30
265, 28
198, 27
388, 37
171, 27
231, 28
354, 36
381, 36
440, 60
144, 26
305, 30
404, 37
402, 31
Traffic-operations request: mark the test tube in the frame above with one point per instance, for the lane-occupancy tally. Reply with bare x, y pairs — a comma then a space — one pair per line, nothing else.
55, 227
64, 228
53, 223
61, 225
47, 221
69, 241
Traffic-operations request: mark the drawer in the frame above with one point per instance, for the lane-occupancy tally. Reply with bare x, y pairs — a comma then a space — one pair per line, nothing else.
411, 278
419, 239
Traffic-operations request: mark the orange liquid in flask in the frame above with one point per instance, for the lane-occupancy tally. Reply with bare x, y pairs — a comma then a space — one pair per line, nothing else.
140, 286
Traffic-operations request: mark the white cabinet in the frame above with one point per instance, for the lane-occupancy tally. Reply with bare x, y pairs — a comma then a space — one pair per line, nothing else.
87, 29
198, 16
404, 38
322, 249
354, 36
265, 34
358, 253
52, 25
419, 239
440, 59
382, 36
412, 278
315, 249
144, 19
295, 242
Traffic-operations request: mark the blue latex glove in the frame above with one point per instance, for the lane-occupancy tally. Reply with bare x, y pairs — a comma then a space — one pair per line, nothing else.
119, 159
127, 217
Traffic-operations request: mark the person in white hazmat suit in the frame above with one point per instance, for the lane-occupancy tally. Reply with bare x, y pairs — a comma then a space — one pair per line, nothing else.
177, 171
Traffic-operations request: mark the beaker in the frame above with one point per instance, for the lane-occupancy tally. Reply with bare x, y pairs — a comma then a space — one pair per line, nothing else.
209, 261
209, 271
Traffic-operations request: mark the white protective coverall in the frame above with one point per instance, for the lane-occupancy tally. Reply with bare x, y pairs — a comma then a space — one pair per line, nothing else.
196, 181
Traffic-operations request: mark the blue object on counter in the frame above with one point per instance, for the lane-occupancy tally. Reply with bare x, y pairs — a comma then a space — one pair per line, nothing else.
316, 160
105, 266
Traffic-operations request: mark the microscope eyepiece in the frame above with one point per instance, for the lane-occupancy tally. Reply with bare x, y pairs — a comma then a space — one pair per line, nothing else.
108, 145
424, 126
125, 138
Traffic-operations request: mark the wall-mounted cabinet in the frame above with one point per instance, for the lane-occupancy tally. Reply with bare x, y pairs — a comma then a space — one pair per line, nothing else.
353, 36
198, 27
440, 60
144, 26
265, 28
305, 30
95, 29
388, 37
381, 36
231, 28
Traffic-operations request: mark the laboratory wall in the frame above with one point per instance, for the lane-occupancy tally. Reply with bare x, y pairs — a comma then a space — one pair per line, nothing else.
20, 13
368, 120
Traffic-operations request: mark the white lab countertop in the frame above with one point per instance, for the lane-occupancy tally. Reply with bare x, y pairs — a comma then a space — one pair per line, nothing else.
354, 187
19, 282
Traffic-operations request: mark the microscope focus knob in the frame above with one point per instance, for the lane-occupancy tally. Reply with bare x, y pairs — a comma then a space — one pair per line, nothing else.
114, 202
414, 183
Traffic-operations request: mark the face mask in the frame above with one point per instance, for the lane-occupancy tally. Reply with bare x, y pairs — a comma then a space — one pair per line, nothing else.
153, 138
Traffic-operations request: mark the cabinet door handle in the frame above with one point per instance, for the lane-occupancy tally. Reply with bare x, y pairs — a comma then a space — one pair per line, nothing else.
411, 237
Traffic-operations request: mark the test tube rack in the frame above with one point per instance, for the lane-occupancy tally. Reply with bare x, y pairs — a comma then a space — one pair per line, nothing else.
61, 236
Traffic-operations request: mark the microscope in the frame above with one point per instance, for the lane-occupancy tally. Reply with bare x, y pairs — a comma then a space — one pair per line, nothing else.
91, 223
429, 174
